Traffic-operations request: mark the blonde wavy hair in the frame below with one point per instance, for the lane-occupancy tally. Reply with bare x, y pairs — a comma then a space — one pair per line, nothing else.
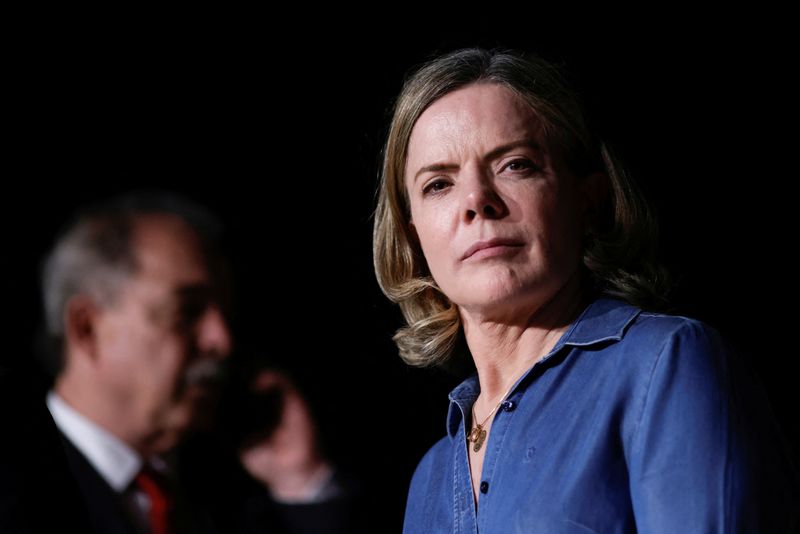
619, 250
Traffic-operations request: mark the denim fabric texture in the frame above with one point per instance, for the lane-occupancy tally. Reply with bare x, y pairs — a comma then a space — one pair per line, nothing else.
634, 422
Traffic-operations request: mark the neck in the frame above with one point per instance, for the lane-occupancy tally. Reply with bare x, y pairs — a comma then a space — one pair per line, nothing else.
74, 392
503, 350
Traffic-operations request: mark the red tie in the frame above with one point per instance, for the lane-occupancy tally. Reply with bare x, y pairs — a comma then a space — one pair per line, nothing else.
155, 486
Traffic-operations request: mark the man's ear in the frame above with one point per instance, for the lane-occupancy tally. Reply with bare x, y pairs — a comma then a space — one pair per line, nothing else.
594, 190
80, 324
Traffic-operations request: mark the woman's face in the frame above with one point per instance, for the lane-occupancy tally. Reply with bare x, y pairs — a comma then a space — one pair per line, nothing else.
497, 213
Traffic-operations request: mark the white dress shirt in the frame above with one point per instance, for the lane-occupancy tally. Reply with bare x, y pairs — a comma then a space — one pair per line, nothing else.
115, 461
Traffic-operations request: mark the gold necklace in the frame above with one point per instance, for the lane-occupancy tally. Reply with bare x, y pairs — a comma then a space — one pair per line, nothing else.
478, 435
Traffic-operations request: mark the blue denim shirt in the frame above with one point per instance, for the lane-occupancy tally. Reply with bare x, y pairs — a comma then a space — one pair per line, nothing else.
634, 422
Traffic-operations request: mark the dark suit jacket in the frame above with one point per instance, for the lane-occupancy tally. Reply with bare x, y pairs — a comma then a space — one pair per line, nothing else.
38, 493
218, 502
107, 510
47, 485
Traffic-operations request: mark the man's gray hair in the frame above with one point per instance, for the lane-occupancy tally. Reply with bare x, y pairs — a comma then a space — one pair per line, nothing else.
94, 255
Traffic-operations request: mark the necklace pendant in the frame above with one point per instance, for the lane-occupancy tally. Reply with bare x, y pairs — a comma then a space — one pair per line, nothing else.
477, 436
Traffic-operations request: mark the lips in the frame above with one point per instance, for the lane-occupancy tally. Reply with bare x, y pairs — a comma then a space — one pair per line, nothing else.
491, 243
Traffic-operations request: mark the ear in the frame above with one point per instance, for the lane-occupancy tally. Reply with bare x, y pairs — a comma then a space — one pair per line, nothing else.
80, 325
594, 191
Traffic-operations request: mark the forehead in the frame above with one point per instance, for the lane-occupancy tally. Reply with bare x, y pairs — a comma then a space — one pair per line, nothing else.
479, 116
168, 251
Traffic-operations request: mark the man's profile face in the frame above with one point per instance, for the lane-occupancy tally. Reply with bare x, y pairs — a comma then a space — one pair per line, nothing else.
163, 333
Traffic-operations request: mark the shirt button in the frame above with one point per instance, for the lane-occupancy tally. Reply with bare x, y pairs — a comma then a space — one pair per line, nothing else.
508, 405
484, 487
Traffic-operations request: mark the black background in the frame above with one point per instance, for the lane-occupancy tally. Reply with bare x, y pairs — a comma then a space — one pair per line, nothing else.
281, 137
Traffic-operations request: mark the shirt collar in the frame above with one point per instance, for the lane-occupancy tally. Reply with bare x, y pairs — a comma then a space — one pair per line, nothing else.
605, 319
114, 460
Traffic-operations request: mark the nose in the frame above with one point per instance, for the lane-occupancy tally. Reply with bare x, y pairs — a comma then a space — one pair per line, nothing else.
213, 333
481, 199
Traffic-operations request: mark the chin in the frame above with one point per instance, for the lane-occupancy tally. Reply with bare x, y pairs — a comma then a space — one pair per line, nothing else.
496, 286
506, 296
490, 303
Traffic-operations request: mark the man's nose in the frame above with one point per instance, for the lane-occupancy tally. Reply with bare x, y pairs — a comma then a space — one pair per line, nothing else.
214, 335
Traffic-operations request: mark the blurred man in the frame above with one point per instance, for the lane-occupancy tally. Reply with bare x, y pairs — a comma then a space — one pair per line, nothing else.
135, 298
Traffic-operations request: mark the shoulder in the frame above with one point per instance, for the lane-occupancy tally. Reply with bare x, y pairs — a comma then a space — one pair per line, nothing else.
674, 337
653, 333
689, 380
608, 321
696, 395
678, 336
634, 341
680, 353
668, 326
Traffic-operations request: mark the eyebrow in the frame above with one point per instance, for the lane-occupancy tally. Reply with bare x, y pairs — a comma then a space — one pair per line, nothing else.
530, 143
493, 154
436, 167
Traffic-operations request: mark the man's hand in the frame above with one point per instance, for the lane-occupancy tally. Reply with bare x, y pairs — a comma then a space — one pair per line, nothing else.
287, 461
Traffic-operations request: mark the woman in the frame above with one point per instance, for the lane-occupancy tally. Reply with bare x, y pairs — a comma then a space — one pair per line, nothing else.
507, 234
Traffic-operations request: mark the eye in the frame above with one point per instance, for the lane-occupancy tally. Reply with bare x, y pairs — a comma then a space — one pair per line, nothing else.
435, 186
193, 309
521, 165
189, 312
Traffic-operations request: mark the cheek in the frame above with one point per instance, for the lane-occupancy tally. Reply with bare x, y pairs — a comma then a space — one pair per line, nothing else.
155, 359
434, 241
168, 359
432, 222
123, 347
554, 211
560, 232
